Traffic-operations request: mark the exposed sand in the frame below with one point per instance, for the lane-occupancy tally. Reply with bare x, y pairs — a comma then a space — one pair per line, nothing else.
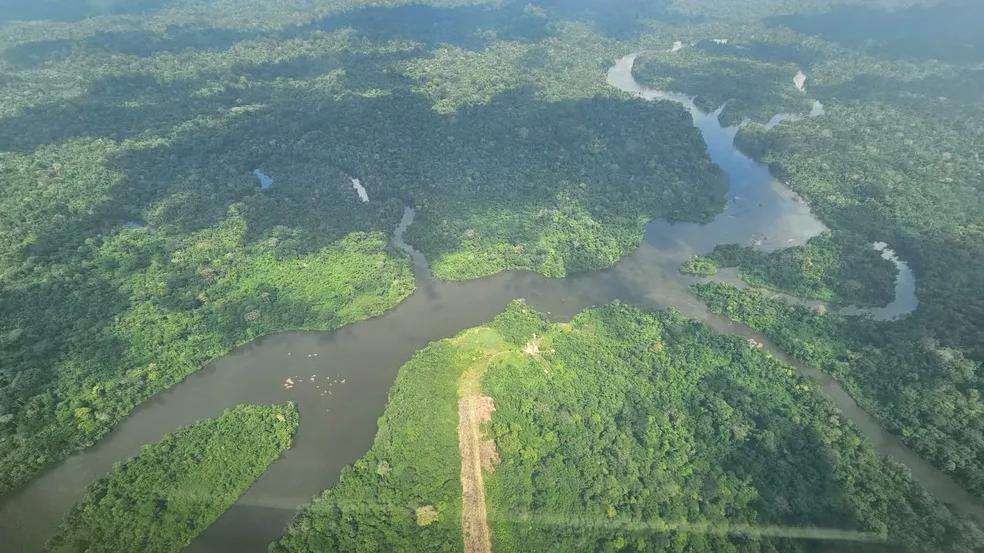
476, 454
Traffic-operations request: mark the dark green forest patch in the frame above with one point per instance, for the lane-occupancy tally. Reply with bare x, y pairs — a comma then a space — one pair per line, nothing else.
467, 26
926, 392
747, 89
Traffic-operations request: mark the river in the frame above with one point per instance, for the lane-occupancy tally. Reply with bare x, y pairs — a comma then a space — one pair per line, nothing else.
337, 428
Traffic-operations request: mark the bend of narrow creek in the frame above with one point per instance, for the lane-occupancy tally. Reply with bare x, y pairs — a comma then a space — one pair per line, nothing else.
338, 420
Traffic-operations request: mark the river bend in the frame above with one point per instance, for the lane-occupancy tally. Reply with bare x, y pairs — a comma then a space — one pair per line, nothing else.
342, 378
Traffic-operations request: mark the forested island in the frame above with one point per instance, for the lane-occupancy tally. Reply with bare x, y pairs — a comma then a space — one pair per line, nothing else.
838, 268
162, 498
177, 182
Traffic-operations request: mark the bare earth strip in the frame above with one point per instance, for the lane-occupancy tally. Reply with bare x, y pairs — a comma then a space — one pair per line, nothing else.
476, 454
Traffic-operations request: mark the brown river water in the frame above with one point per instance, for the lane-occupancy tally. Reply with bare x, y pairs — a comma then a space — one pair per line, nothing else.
338, 419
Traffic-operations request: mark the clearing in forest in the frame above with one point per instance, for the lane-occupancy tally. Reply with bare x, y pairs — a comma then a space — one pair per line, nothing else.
477, 454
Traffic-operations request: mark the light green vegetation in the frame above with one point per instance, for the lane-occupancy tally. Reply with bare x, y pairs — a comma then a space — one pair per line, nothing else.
564, 65
833, 267
699, 265
455, 77
161, 499
624, 429
413, 463
648, 432
144, 310
135, 245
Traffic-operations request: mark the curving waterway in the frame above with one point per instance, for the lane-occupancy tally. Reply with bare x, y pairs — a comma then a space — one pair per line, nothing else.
903, 302
340, 379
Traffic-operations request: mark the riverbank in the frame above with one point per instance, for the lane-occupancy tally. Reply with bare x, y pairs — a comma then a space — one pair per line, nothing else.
337, 429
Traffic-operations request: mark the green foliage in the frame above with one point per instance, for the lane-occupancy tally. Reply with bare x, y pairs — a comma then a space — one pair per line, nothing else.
623, 429
518, 324
150, 310
909, 176
455, 78
171, 491
834, 267
748, 89
894, 158
568, 64
413, 463
135, 246
649, 432
585, 172
699, 265
927, 393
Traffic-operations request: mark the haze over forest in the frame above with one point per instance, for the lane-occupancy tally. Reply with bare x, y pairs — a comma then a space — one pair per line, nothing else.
492, 275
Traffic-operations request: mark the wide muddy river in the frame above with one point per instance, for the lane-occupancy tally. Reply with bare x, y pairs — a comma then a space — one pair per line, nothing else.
341, 378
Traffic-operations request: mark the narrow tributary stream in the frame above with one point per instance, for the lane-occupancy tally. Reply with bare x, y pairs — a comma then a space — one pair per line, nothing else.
338, 419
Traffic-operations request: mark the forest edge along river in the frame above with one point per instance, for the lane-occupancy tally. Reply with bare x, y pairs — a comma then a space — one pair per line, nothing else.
341, 379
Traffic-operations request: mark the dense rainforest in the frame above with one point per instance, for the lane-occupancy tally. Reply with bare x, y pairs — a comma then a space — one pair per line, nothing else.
895, 157
746, 89
172, 490
923, 390
838, 268
137, 244
623, 430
